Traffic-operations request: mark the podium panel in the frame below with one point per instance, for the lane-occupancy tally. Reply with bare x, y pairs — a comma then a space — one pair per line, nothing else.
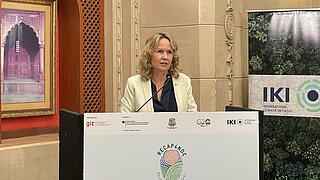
171, 146
71, 145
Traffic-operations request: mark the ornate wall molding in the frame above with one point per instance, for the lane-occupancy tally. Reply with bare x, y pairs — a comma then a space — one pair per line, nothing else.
135, 35
230, 34
117, 52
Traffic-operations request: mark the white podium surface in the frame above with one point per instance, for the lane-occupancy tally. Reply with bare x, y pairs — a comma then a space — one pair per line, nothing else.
171, 146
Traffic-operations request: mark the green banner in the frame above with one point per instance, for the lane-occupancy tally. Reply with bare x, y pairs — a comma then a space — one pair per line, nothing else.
284, 69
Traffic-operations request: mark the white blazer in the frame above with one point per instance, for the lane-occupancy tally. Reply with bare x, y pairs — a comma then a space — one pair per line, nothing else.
137, 92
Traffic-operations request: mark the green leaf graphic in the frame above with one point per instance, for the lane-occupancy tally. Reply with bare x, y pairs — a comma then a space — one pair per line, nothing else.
174, 172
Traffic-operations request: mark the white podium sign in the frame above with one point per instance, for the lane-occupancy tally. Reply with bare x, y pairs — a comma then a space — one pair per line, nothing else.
171, 146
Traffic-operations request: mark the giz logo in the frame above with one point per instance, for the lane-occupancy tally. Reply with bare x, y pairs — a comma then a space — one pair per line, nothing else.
90, 123
278, 94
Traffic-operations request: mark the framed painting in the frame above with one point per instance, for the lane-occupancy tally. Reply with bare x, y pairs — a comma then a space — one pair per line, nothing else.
28, 66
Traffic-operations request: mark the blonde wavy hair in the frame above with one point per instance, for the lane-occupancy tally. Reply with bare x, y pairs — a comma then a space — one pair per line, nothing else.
150, 46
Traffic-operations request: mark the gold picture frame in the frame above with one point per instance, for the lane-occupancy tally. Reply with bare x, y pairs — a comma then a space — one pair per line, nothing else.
28, 58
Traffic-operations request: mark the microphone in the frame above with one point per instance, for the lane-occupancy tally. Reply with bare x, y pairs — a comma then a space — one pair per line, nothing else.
168, 77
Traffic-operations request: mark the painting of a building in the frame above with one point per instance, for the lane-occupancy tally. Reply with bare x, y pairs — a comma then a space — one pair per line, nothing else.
22, 56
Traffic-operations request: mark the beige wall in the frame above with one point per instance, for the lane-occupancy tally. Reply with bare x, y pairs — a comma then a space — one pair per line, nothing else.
199, 28
30, 158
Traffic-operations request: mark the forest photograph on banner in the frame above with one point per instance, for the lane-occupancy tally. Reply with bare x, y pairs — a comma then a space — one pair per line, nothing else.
284, 82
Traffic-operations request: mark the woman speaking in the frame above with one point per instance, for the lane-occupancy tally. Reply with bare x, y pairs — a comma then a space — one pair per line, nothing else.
160, 86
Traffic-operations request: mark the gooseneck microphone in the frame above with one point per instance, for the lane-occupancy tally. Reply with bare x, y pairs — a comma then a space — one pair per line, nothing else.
168, 77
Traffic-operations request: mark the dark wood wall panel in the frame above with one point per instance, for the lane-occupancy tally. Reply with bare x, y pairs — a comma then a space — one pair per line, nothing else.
93, 55
81, 55
69, 54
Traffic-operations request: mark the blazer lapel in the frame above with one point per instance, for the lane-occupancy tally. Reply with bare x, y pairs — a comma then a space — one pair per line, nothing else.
177, 92
146, 86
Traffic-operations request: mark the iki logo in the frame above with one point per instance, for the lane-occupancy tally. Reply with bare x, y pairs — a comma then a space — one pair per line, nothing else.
280, 94
308, 95
233, 122
171, 162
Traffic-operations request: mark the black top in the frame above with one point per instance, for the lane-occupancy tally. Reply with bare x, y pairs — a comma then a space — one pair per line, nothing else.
167, 102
